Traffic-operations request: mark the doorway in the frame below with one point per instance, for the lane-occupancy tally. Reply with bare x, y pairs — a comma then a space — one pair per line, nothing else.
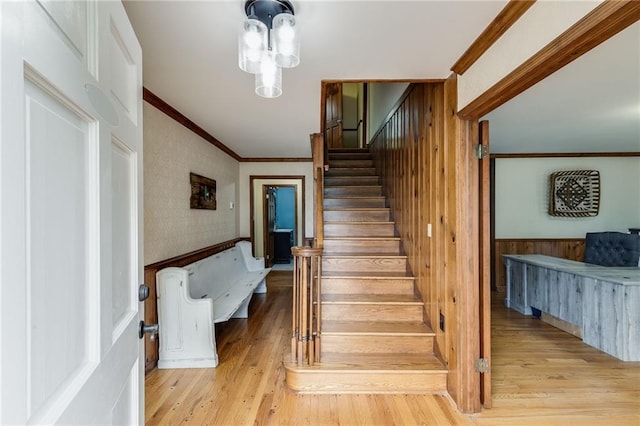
279, 230
345, 115
262, 226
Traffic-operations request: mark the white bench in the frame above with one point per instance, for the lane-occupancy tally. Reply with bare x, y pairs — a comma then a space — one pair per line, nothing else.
192, 299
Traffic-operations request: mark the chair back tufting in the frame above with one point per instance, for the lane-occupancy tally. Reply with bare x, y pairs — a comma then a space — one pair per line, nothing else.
612, 249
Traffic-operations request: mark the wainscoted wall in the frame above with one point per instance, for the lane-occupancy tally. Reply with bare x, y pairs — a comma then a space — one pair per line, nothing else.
424, 157
570, 248
522, 197
171, 152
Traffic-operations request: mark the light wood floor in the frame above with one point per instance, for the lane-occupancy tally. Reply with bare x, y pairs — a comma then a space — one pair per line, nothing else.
541, 376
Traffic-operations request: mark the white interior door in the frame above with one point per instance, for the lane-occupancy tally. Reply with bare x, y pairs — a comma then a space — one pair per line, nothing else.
70, 204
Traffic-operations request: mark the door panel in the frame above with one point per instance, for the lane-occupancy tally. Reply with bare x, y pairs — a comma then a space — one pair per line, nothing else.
61, 273
70, 222
333, 115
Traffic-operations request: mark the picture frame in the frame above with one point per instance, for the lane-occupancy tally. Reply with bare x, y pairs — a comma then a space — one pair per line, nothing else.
203, 192
574, 193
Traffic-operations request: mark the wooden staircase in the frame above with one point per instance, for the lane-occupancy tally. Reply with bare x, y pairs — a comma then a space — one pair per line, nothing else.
373, 338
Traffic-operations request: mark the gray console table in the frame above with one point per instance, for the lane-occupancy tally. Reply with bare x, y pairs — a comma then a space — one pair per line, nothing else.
603, 301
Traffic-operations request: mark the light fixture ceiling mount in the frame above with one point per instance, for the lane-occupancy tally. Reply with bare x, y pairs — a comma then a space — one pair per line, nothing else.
268, 42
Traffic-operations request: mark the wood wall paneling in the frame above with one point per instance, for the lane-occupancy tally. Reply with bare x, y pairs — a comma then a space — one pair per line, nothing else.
151, 306
423, 156
567, 248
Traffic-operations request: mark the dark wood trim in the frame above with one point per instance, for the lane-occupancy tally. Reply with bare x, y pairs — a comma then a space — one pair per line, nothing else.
365, 115
500, 24
606, 20
566, 154
276, 160
150, 305
161, 105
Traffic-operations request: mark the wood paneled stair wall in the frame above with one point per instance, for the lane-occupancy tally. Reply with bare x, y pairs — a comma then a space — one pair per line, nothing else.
374, 337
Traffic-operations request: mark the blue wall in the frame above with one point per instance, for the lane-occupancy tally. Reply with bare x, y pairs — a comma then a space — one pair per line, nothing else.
285, 208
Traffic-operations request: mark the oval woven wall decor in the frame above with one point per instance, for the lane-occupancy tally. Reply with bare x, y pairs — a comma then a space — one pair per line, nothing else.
574, 193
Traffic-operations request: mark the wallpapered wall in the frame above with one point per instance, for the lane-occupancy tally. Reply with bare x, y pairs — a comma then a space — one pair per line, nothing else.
522, 197
171, 152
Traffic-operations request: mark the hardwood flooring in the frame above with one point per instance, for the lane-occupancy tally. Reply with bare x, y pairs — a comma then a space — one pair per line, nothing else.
541, 376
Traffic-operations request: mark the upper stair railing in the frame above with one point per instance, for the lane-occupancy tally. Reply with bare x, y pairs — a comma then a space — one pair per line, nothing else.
307, 272
319, 159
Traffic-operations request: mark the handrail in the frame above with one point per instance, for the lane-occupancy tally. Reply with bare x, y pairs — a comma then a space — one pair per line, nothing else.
305, 326
318, 153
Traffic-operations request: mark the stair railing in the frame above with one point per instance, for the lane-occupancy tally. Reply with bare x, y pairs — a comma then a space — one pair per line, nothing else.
305, 336
318, 153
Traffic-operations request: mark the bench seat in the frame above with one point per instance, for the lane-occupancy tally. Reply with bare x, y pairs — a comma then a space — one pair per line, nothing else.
193, 298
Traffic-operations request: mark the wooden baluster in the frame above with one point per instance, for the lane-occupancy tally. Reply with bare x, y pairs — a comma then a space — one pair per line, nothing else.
305, 343
294, 315
318, 305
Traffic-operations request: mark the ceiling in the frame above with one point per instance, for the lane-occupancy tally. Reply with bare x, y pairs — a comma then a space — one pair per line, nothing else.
190, 61
590, 105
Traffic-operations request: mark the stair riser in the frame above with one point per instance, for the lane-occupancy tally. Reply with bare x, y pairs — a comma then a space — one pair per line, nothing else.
350, 163
360, 191
377, 344
366, 286
356, 215
346, 203
351, 181
371, 312
359, 230
351, 171
347, 264
352, 246
349, 156
367, 382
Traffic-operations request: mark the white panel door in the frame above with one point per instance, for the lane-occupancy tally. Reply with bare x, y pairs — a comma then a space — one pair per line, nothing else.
70, 214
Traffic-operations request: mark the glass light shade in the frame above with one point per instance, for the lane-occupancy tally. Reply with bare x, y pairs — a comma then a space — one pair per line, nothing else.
269, 78
285, 40
252, 43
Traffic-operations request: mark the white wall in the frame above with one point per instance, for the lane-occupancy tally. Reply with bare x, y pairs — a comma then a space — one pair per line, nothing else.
542, 23
522, 191
273, 169
171, 152
381, 98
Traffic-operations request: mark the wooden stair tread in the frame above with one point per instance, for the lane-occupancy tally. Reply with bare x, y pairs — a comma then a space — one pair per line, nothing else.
374, 328
371, 299
357, 209
367, 275
332, 254
343, 197
361, 238
377, 363
353, 186
353, 222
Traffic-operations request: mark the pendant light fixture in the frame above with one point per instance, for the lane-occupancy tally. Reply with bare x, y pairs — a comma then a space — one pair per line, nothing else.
268, 42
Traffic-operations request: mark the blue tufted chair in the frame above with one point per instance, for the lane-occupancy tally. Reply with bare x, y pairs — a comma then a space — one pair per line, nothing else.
612, 249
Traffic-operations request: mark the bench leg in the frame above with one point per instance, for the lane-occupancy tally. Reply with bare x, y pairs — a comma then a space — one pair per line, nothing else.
243, 310
262, 287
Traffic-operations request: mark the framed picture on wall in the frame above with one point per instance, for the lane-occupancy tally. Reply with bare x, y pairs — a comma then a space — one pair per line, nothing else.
203, 192
574, 193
